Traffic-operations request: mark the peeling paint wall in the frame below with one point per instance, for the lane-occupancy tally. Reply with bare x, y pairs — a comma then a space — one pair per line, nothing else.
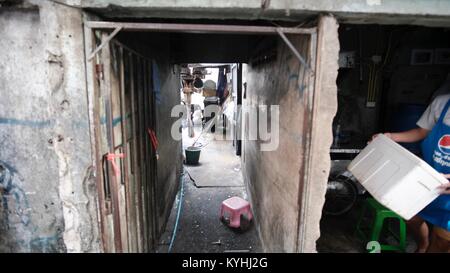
273, 177
46, 173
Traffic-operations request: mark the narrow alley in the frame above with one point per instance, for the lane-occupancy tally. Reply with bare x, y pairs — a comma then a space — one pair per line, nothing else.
216, 177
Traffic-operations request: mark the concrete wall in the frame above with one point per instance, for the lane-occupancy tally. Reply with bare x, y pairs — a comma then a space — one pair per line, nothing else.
46, 174
272, 177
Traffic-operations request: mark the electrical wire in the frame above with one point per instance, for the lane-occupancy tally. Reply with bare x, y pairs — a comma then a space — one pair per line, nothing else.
374, 72
375, 85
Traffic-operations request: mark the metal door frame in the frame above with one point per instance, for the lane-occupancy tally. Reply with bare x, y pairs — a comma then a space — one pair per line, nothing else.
116, 27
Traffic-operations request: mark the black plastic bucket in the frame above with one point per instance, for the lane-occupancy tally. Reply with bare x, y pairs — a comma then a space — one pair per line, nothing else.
192, 155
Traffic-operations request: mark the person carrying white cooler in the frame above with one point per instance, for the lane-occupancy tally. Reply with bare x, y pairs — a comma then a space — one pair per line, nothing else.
434, 131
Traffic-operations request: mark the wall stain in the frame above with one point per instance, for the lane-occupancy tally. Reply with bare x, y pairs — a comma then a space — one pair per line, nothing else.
90, 190
56, 71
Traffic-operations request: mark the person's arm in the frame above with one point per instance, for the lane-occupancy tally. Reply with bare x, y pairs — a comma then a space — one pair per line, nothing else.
409, 136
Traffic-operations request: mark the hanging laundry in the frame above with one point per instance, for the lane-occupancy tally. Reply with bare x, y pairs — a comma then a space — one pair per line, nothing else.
221, 84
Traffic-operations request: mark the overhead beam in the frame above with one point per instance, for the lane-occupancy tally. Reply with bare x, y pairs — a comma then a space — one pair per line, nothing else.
197, 28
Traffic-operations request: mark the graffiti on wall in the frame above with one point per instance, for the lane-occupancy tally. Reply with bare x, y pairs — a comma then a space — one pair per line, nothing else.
295, 75
17, 229
12, 195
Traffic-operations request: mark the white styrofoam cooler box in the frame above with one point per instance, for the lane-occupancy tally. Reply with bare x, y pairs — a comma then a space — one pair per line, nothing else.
395, 177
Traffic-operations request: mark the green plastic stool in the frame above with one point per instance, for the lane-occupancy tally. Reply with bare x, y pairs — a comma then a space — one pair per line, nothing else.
382, 213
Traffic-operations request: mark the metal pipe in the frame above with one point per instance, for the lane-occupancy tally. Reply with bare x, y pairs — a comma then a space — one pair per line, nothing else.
294, 50
105, 42
180, 203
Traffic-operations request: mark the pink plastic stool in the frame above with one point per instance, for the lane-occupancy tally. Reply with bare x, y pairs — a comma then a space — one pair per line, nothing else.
235, 207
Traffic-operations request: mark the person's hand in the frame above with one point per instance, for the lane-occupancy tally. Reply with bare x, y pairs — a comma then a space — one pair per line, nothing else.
375, 135
445, 188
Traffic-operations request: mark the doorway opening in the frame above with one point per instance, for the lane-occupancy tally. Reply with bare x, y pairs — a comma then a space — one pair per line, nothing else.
388, 75
137, 73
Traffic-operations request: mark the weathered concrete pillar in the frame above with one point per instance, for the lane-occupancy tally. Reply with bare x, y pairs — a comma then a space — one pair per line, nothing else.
46, 173
323, 112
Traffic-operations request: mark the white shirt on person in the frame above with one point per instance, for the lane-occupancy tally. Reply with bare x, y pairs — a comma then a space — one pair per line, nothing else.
433, 112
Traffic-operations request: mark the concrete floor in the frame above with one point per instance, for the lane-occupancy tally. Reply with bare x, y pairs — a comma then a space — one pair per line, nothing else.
218, 165
217, 178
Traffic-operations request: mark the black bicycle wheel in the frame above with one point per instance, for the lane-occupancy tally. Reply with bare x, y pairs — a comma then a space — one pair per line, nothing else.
340, 197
